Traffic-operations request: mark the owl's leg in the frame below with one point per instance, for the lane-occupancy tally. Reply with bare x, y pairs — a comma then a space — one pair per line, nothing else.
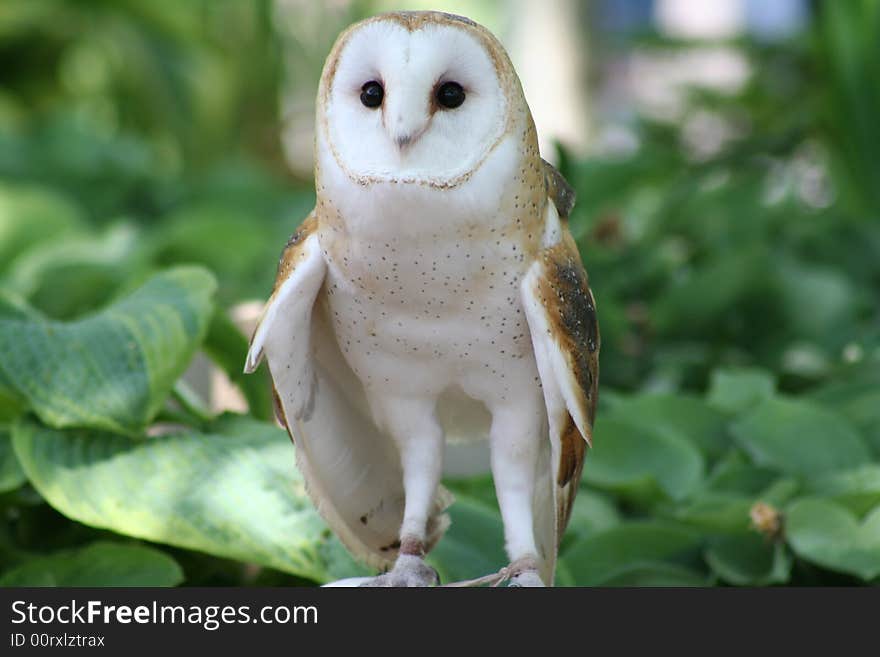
515, 441
419, 437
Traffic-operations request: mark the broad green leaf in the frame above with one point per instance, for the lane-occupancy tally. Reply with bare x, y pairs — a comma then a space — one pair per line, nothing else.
99, 564
749, 560
11, 474
239, 247
780, 492
729, 511
13, 306
233, 492
563, 575
71, 277
30, 214
641, 461
738, 390
683, 416
716, 512
800, 438
659, 573
112, 370
828, 534
597, 560
12, 404
856, 394
592, 513
858, 489
474, 544
734, 474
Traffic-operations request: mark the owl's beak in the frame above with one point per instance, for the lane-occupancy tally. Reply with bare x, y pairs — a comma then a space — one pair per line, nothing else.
407, 118
406, 137
403, 141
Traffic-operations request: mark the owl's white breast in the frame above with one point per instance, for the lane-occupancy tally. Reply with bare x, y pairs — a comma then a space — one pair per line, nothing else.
423, 282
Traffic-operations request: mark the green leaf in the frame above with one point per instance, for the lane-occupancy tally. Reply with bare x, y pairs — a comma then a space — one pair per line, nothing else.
11, 474
233, 492
726, 511
239, 245
112, 370
599, 559
800, 438
30, 214
780, 492
737, 390
681, 415
828, 534
716, 512
652, 573
592, 513
857, 489
856, 394
749, 560
641, 461
12, 306
734, 474
474, 544
99, 564
74, 276
12, 405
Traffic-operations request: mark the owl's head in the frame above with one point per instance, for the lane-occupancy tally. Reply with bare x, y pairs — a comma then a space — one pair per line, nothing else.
415, 96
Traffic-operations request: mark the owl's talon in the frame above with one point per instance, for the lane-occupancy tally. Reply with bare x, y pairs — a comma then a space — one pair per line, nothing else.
526, 579
409, 571
524, 573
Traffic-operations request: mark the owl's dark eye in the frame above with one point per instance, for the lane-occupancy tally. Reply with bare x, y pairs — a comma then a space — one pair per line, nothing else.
372, 94
450, 95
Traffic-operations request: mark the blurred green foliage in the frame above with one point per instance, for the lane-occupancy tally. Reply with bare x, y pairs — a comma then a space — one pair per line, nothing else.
143, 192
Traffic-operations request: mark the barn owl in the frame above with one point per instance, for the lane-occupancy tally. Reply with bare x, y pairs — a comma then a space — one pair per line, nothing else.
434, 293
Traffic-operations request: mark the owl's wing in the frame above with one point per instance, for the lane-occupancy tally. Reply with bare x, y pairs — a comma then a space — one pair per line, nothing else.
561, 314
350, 467
283, 331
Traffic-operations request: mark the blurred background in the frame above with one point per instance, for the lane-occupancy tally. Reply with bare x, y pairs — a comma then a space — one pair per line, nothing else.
726, 155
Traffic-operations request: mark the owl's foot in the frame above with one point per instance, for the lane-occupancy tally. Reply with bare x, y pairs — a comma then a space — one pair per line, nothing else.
409, 571
524, 573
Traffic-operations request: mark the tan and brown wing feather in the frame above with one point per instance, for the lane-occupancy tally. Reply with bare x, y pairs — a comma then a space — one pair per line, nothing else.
564, 313
571, 314
293, 252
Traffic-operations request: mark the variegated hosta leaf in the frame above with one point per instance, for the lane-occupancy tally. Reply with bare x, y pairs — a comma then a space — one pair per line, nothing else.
233, 492
112, 370
11, 474
99, 564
